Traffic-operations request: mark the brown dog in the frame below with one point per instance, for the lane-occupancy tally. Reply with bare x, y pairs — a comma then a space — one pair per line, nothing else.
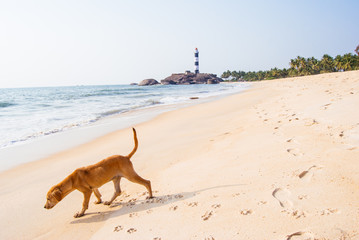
89, 179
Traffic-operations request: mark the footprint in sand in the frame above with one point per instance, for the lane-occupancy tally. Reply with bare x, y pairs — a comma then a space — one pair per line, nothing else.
329, 211
291, 140
310, 122
173, 208
308, 174
209, 238
283, 197
131, 202
296, 213
295, 152
216, 206
325, 107
133, 215
341, 134
303, 197
192, 204
118, 228
300, 236
178, 196
329, 91
132, 230
262, 202
246, 211
207, 215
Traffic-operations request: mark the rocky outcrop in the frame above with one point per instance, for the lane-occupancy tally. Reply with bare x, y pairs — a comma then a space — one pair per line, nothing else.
191, 78
148, 82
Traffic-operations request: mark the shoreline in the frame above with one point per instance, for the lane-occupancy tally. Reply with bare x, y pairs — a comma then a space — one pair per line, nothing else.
71, 138
276, 161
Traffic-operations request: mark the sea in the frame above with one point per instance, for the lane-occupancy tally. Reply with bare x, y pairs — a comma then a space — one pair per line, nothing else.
27, 114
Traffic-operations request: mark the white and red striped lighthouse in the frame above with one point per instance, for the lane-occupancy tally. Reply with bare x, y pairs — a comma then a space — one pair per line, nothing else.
196, 61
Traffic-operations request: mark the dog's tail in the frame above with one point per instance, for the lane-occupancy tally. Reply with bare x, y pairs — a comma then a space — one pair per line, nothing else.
136, 144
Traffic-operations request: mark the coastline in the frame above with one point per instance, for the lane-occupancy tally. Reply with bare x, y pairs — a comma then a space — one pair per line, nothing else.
276, 161
71, 138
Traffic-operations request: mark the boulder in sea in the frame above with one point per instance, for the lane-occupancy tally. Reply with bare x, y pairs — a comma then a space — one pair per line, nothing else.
191, 78
148, 82
133, 84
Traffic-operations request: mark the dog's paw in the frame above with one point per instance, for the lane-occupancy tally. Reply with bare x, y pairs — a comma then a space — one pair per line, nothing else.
150, 197
98, 202
107, 203
79, 214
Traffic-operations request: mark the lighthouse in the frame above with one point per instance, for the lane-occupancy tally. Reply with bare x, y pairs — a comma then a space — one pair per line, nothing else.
196, 61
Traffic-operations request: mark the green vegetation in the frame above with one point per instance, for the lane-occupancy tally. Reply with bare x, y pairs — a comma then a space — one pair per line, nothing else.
300, 66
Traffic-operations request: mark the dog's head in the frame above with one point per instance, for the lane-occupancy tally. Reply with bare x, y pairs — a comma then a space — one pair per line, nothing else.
53, 197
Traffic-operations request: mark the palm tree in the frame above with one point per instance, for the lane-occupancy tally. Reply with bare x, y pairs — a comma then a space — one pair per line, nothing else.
261, 75
350, 62
303, 66
275, 72
226, 74
284, 73
338, 63
292, 72
294, 63
313, 65
327, 64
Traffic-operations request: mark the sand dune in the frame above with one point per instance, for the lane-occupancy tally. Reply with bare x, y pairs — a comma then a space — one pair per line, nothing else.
279, 161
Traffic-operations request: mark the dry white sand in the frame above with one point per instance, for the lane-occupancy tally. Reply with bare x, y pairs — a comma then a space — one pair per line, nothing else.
279, 161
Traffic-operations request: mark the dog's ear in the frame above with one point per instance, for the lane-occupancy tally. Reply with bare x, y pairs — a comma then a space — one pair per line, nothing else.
57, 194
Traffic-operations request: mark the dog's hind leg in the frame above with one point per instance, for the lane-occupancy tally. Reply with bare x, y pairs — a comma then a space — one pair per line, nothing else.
134, 177
116, 183
85, 204
98, 196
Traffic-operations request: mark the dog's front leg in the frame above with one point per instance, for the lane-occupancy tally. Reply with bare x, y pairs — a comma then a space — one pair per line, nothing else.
85, 204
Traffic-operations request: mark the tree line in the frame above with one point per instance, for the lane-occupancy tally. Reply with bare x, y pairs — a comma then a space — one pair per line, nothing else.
300, 66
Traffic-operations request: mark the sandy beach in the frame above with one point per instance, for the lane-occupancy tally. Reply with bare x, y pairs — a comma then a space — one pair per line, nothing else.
278, 161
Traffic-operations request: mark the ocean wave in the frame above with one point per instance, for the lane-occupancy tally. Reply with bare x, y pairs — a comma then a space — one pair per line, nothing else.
52, 110
46, 132
103, 94
6, 104
112, 112
144, 95
173, 100
114, 92
151, 102
43, 105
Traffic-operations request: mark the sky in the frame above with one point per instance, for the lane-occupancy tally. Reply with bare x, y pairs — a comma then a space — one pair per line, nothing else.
88, 42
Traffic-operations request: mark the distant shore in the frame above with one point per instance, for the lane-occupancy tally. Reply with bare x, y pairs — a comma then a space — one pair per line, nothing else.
277, 161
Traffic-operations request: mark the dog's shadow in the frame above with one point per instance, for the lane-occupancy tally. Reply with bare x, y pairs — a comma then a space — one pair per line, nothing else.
134, 205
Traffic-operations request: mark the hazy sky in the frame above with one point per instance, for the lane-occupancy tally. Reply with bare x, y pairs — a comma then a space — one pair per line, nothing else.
72, 42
